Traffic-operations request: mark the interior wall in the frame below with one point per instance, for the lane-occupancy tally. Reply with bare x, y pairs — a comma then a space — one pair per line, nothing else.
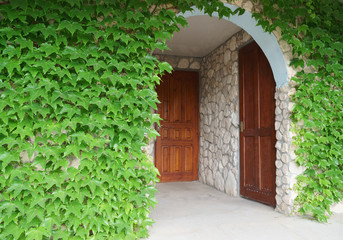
219, 116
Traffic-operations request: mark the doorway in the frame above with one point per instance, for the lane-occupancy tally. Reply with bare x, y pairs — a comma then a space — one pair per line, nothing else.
177, 147
219, 126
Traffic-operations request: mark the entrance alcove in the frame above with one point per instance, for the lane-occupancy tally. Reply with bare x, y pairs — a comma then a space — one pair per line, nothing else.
211, 47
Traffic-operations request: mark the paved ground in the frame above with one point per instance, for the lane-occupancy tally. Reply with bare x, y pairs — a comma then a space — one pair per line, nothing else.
193, 211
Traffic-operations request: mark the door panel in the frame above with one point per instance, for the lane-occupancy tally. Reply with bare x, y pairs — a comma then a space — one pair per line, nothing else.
257, 114
177, 147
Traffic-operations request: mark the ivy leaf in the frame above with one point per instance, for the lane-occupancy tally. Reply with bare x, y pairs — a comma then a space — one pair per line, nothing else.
40, 201
13, 14
70, 26
37, 27
17, 188
25, 43
34, 234
12, 51
6, 158
95, 32
11, 65
8, 206
296, 62
83, 14
165, 67
35, 212
48, 49
19, 4
318, 43
11, 229
96, 64
45, 65
88, 76
75, 3
60, 40
60, 194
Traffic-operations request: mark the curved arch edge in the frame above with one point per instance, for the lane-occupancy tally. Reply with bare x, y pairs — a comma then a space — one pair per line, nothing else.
267, 41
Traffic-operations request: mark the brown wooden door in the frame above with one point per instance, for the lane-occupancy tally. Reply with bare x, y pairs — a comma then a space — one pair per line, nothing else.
257, 116
177, 147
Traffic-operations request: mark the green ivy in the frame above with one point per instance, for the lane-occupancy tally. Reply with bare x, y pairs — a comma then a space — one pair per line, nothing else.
314, 29
77, 85
77, 82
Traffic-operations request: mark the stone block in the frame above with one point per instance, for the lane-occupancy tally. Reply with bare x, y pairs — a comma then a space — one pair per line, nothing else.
209, 177
278, 163
233, 44
231, 185
284, 158
195, 65
183, 63
219, 182
285, 169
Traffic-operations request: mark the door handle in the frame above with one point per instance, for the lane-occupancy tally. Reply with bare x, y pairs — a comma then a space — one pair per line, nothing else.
241, 126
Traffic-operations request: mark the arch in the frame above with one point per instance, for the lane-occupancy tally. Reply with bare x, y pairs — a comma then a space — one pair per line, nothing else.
267, 41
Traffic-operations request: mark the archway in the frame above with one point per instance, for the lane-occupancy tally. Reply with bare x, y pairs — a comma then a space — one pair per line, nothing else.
267, 42
222, 109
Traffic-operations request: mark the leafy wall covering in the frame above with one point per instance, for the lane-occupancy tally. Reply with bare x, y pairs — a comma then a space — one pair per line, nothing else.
76, 90
77, 85
314, 29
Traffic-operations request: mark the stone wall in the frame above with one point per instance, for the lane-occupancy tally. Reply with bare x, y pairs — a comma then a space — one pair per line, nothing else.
181, 63
286, 168
219, 116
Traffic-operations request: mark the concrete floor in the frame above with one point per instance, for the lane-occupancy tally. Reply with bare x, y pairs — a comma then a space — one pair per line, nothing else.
193, 211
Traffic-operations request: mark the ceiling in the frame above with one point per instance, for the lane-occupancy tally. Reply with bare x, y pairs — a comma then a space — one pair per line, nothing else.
202, 36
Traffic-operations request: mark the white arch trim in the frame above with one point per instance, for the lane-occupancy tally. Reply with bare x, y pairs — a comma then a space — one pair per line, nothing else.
267, 41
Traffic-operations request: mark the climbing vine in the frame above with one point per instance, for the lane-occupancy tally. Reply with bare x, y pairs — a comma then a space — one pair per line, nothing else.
314, 29
77, 83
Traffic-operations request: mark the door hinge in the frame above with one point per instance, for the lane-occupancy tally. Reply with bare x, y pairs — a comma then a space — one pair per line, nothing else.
241, 127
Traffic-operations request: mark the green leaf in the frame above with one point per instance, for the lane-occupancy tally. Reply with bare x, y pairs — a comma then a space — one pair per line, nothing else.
296, 62
35, 212
13, 14
70, 26
12, 51
34, 234
60, 194
19, 4
48, 49
165, 67
6, 158
25, 43
11, 229
17, 188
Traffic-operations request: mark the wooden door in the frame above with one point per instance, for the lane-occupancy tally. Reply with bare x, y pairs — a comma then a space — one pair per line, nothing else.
177, 147
257, 116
